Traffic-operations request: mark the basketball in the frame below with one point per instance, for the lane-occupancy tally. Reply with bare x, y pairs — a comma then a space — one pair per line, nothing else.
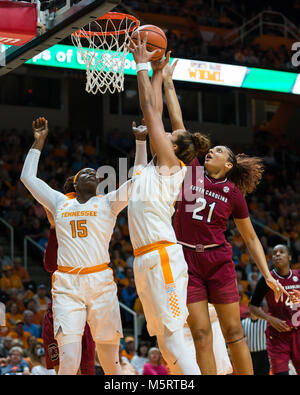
156, 39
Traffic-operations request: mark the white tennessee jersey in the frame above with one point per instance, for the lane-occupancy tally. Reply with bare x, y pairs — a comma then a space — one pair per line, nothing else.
151, 206
84, 232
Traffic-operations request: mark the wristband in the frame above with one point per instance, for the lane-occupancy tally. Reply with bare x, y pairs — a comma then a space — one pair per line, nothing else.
141, 66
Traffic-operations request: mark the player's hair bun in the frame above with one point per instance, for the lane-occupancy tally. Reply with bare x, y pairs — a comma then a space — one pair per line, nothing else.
201, 143
190, 145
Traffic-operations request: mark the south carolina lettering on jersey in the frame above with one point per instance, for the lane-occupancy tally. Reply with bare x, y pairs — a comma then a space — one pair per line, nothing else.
207, 192
79, 214
289, 287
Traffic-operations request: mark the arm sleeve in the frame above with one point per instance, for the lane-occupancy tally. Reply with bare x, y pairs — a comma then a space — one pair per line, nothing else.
239, 205
44, 194
260, 292
118, 199
141, 157
50, 254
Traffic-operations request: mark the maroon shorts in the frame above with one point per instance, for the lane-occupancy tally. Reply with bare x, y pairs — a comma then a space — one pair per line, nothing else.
212, 275
87, 364
283, 347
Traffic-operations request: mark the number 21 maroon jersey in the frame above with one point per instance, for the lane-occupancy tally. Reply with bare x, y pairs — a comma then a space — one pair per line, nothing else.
204, 207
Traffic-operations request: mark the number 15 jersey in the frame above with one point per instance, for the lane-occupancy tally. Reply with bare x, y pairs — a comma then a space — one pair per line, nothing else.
204, 207
83, 230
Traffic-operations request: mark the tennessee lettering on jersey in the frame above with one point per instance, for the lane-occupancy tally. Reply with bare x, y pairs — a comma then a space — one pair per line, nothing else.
79, 214
84, 231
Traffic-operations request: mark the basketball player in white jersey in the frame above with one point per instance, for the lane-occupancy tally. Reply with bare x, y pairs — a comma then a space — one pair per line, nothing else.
83, 286
160, 269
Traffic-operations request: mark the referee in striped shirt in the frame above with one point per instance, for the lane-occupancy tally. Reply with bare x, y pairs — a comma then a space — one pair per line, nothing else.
254, 330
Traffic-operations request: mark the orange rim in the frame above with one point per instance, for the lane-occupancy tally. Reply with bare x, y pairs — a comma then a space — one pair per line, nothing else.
114, 16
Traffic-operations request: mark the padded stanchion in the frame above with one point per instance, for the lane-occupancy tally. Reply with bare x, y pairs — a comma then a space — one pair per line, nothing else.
18, 22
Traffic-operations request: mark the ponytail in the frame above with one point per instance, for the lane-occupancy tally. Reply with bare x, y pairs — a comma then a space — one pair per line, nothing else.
246, 172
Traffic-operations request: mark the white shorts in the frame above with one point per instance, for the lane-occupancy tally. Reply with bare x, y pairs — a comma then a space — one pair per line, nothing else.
92, 297
161, 281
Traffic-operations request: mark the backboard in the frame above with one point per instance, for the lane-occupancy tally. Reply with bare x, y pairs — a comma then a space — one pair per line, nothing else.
59, 19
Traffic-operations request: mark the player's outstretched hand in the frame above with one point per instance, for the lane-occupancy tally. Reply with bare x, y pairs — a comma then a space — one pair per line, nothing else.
279, 325
168, 70
161, 63
295, 296
140, 132
139, 50
277, 288
40, 129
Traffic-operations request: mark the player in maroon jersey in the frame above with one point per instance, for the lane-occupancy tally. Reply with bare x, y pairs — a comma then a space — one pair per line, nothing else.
87, 364
210, 195
283, 334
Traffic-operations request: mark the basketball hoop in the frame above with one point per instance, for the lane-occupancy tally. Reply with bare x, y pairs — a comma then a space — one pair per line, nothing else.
103, 47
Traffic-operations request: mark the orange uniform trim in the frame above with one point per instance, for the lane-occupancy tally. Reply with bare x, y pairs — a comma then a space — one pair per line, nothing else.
71, 195
151, 247
167, 272
169, 282
85, 270
165, 265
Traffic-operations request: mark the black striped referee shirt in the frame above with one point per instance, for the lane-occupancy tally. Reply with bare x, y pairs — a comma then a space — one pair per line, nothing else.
255, 334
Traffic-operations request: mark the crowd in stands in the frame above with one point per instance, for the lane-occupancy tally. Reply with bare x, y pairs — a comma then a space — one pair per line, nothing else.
274, 207
220, 50
275, 204
219, 13
216, 47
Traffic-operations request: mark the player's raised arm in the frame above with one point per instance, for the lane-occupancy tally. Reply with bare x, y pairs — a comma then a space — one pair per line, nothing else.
45, 195
118, 199
256, 251
173, 105
161, 143
156, 82
140, 132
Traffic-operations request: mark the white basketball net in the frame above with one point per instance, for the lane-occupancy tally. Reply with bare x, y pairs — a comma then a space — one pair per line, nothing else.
106, 54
